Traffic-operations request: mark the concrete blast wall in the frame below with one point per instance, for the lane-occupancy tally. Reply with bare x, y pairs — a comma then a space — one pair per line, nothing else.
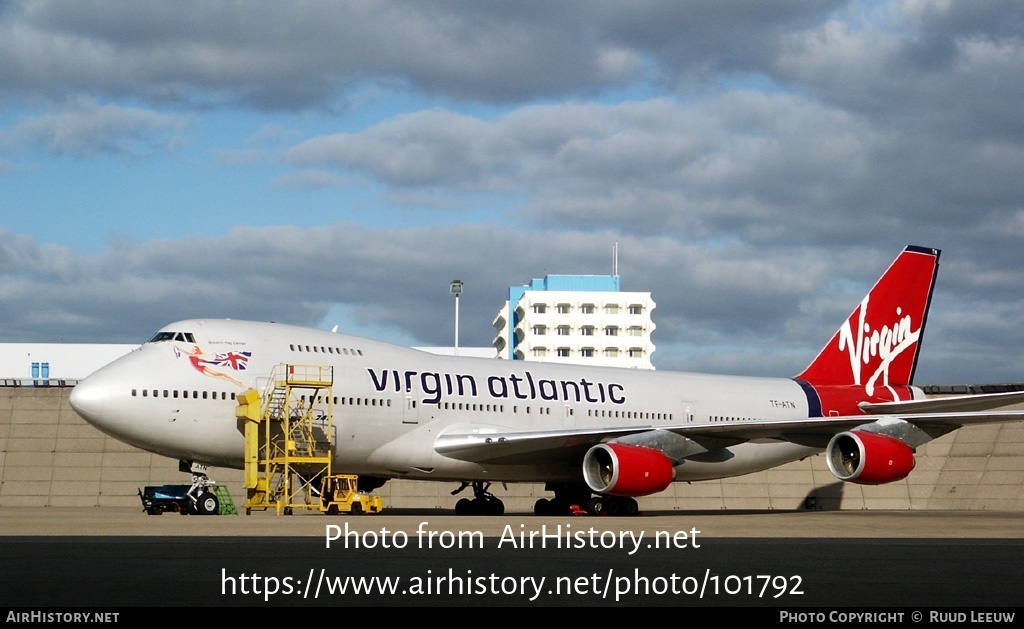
50, 457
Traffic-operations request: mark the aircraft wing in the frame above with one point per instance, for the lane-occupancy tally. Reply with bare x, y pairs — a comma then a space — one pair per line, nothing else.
510, 447
522, 447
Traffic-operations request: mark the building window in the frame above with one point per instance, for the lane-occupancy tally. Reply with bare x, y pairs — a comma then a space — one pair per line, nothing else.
636, 352
636, 330
611, 352
540, 308
587, 330
563, 330
563, 308
587, 352
563, 352
611, 309
587, 308
636, 309
540, 351
611, 330
540, 330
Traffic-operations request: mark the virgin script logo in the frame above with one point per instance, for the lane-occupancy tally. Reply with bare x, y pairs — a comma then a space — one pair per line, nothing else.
886, 344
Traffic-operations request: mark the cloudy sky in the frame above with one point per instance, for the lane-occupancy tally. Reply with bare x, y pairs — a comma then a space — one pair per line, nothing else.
321, 163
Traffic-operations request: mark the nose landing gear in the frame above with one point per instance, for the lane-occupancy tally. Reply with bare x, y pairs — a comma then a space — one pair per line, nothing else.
202, 499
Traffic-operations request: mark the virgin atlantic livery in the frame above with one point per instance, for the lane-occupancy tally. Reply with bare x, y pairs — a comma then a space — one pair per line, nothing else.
596, 436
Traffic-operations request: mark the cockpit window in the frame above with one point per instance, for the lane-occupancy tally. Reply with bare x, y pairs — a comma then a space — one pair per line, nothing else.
185, 337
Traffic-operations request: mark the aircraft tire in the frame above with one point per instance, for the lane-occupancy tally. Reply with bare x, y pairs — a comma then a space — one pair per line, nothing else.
207, 504
494, 507
542, 507
614, 508
629, 507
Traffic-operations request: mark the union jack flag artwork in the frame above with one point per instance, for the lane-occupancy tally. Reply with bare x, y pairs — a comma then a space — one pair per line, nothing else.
235, 360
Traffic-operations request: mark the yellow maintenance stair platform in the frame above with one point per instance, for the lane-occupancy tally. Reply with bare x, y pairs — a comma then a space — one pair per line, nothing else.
288, 438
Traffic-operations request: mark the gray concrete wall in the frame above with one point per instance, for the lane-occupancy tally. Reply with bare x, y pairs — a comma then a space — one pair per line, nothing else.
50, 457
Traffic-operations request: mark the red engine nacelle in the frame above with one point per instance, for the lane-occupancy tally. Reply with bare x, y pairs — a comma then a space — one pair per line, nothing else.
868, 458
619, 469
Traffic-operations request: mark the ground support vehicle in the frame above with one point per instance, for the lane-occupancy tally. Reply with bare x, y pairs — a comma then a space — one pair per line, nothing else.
339, 493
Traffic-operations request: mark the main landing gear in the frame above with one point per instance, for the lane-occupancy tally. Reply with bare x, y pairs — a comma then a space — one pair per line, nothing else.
613, 506
570, 499
568, 495
483, 502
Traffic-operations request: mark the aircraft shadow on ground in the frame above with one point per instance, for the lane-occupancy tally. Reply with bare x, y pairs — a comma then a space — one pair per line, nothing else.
825, 498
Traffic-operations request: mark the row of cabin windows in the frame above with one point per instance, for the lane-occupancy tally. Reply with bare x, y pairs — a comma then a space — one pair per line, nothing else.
488, 408
454, 406
719, 418
350, 401
222, 395
174, 393
628, 414
588, 352
633, 309
500, 408
320, 349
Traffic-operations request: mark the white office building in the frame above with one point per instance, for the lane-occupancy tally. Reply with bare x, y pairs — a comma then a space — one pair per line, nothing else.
578, 319
53, 363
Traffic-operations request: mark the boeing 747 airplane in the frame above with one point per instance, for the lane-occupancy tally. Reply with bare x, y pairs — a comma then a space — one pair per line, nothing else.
595, 436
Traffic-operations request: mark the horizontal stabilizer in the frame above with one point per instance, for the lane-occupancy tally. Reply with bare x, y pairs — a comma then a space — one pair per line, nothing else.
960, 403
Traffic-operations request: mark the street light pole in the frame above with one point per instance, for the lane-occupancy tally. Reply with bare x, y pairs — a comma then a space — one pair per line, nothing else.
456, 289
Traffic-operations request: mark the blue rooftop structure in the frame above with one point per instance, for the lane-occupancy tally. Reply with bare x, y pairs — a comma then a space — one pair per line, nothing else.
591, 283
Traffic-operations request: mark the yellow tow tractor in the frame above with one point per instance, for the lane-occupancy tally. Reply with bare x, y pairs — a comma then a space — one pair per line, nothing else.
339, 493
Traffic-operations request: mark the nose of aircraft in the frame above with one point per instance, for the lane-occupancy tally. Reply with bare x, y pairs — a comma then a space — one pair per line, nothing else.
87, 399
94, 398
105, 400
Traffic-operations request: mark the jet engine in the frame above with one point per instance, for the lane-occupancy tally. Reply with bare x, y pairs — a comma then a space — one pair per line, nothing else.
868, 458
620, 469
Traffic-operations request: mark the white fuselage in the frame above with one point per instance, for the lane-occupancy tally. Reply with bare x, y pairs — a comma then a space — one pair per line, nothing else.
176, 398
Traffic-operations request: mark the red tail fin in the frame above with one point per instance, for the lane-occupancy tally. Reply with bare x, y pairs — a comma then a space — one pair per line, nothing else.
878, 345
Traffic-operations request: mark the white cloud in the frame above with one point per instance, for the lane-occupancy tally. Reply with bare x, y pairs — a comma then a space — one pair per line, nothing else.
760, 163
88, 128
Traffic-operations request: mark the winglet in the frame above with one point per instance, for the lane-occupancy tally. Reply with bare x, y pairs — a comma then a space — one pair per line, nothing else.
878, 345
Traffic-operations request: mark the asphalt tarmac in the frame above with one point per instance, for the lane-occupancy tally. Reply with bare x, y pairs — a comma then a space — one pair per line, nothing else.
122, 560
72, 521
